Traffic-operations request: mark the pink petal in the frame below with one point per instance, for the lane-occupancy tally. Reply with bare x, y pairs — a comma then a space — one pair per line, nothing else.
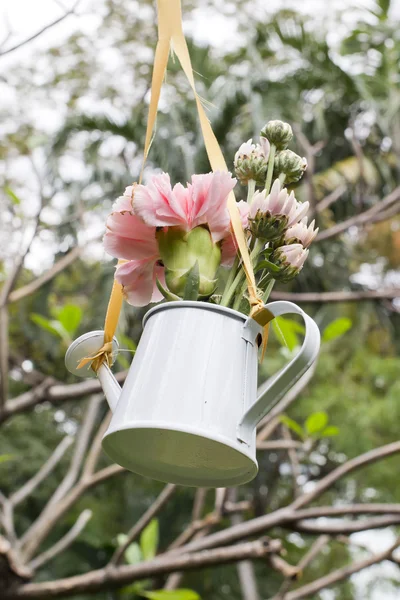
129, 238
156, 203
209, 196
229, 245
138, 281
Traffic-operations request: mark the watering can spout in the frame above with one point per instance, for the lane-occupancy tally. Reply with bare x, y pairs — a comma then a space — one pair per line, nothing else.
88, 345
110, 386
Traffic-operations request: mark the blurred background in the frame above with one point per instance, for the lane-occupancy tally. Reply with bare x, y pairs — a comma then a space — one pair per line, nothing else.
73, 114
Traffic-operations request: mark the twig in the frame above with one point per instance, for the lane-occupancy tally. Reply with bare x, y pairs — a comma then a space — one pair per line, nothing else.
310, 589
52, 391
64, 542
307, 559
322, 297
116, 577
345, 469
279, 445
337, 527
330, 198
294, 462
27, 489
34, 285
40, 31
38, 530
136, 530
362, 218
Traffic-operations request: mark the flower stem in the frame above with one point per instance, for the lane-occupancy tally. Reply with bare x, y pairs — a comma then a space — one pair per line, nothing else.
251, 188
239, 279
270, 169
268, 290
229, 282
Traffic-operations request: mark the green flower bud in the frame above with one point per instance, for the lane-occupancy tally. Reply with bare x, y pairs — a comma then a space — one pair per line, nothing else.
287, 261
180, 250
251, 162
268, 227
277, 133
290, 164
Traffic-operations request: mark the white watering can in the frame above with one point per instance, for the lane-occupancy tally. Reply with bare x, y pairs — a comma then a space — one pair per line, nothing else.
188, 410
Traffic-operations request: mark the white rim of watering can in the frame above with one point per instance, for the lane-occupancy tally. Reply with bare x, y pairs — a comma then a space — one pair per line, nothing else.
195, 304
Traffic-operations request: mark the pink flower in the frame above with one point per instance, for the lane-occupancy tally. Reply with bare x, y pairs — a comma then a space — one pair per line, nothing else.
294, 255
229, 246
203, 202
127, 237
301, 233
278, 203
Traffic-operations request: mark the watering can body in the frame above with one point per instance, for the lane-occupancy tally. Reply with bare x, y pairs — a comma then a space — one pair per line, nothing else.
188, 410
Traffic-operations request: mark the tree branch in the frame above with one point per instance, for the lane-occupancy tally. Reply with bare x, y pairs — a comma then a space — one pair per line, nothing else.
64, 542
361, 219
345, 296
137, 529
116, 577
30, 486
40, 31
57, 268
306, 591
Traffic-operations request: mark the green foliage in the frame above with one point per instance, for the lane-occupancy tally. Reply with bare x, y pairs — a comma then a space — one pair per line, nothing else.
64, 325
6, 457
149, 540
286, 331
336, 329
14, 198
293, 425
171, 595
316, 422
316, 426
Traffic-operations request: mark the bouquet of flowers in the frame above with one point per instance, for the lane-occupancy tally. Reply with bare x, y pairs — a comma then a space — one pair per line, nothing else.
173, 243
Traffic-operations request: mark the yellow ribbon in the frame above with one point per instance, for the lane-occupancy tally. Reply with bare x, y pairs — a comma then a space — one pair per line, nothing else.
170, 35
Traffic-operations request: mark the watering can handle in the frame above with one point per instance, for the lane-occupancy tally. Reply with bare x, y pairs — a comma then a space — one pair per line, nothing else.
279, 384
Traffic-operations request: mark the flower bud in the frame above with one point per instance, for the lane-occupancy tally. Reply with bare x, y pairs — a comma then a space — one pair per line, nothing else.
290, 164
251, 162
277, 133
180, 250
299, 233
289, 260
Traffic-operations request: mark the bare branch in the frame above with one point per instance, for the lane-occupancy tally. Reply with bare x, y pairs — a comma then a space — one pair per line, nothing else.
279, 445
40, 31
43, 472
64, 542
346, 296
330, 199
361, 219
116, 577
352, 509
304, 562
137, 529
39, 529
348, 467
57, 268
52, 391
341, 527
294, 462
306, 591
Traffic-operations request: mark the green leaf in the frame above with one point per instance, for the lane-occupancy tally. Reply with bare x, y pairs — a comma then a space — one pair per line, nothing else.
6, 457
316, 422
286, 331
192, 283
336, 328
149, 540
169, 296
133, 554
14, 198
331, 430
52, 326
70, 317
266, 264
293, 425
171, 595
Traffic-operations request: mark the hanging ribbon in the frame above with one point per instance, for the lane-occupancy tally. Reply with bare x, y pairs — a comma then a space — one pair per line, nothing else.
171, 36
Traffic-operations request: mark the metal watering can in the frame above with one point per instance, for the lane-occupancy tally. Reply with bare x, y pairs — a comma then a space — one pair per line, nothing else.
188, 410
